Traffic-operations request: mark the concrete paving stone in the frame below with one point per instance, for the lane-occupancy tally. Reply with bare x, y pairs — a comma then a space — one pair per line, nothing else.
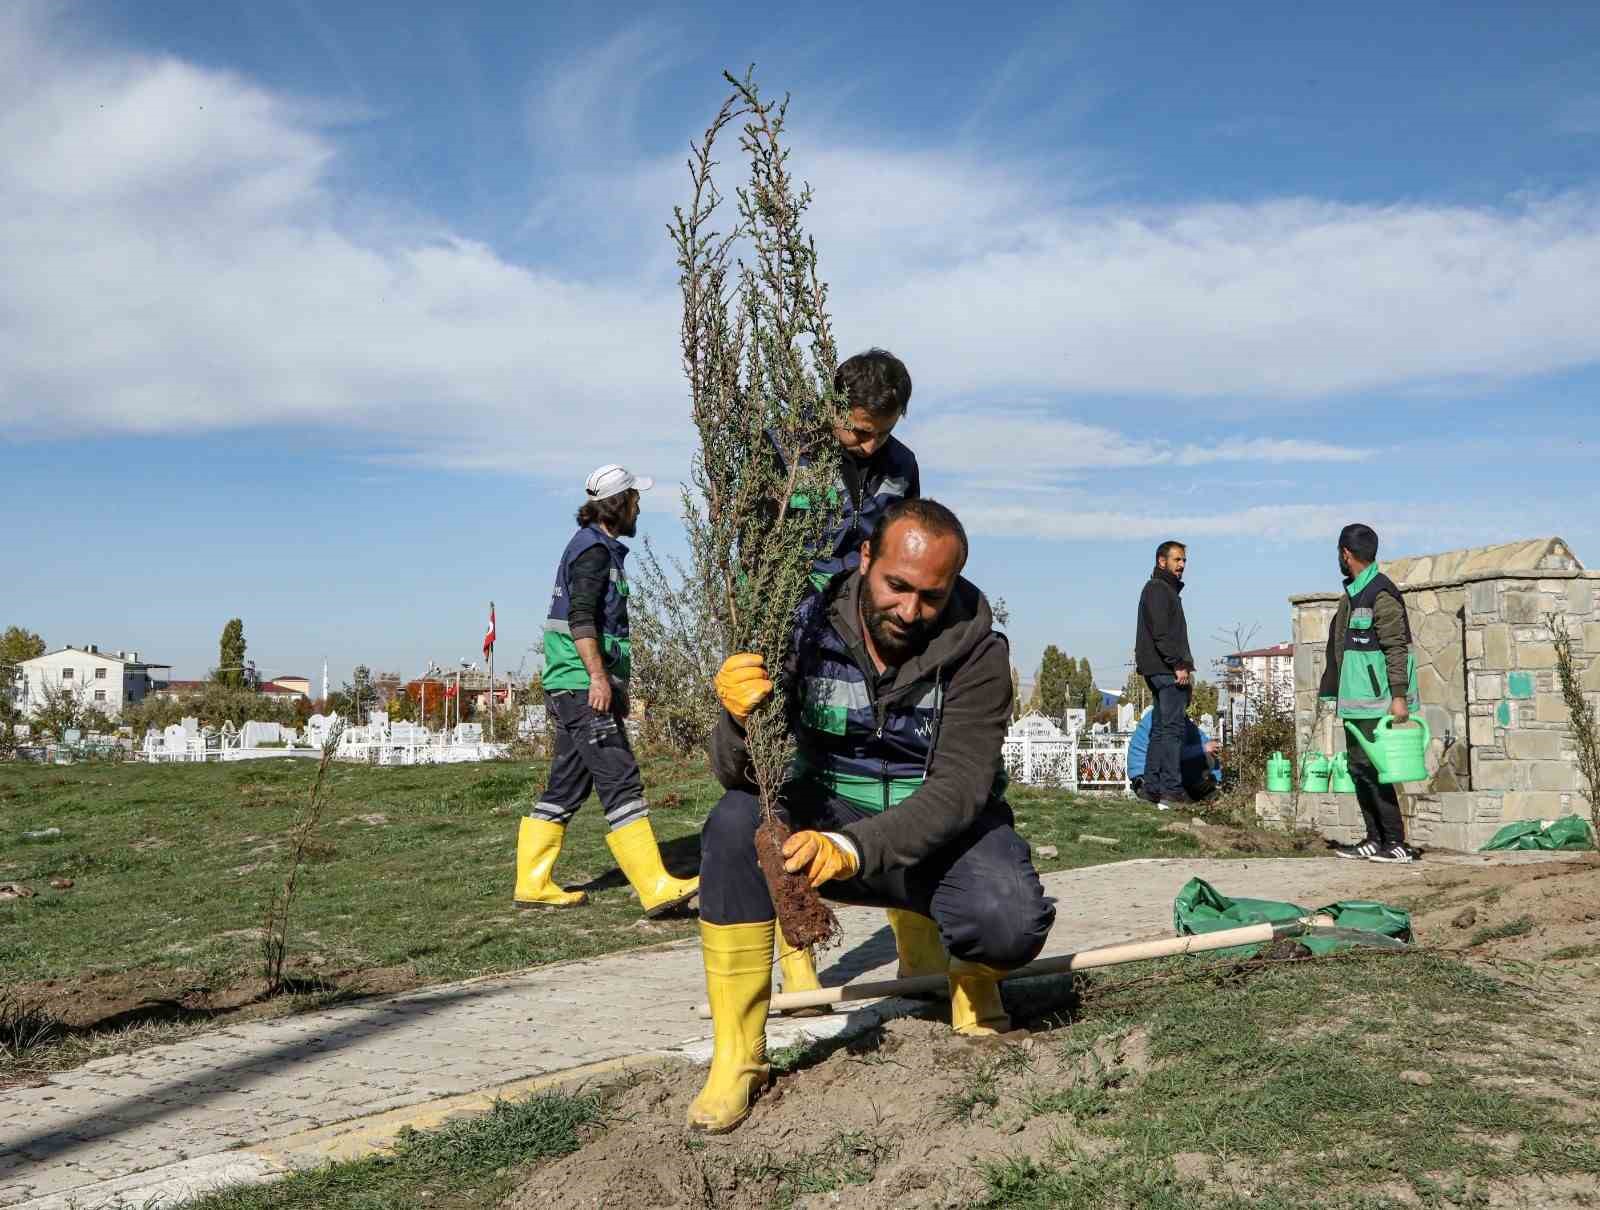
59, 1177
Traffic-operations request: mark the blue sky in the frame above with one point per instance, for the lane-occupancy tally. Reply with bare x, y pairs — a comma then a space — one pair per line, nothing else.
318, 315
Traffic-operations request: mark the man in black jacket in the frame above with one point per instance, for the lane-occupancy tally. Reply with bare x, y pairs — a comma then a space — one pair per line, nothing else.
1161, 655
900, 697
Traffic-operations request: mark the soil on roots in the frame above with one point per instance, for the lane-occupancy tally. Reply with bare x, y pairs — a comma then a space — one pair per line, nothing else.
802, 915
892, 1118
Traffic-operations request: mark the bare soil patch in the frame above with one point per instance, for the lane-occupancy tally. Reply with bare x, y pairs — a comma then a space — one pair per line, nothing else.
902, 1116
1528, 912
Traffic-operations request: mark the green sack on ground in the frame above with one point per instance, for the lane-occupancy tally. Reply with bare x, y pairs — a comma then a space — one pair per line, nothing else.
1568, 832
1201, 908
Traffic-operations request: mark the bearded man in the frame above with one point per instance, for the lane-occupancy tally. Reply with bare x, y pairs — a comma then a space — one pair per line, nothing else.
900, 697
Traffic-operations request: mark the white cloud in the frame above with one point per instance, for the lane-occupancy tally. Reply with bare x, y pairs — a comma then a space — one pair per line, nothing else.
1268, 449
177, 261
178, 257
1069, 518
1253, 304
1042, 446
590, 103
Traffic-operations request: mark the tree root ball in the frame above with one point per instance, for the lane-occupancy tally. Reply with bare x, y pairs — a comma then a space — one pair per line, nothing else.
803, 917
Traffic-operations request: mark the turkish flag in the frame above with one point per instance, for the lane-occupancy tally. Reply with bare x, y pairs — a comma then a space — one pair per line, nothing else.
488, 639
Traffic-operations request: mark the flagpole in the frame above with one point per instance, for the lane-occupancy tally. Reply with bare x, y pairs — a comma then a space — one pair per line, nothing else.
491, 673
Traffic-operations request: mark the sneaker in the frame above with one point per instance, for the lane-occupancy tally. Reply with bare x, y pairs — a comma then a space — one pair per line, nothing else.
1395, 853
1356, 852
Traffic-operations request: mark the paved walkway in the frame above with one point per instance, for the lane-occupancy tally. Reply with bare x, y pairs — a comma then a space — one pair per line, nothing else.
257, 1100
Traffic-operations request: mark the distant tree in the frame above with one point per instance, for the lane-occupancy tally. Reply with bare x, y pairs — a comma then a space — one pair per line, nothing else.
213, 705
1018, 706
63, 707
17, 644
1083, 690
1203, 700
1136, 692
230, 655
1053, 686
359, 694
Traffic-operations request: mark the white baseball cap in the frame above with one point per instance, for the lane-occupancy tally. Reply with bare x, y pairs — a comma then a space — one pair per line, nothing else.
613, 480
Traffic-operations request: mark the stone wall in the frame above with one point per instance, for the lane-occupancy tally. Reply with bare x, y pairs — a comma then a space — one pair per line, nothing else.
1452, 820
1519, 738
1488, 687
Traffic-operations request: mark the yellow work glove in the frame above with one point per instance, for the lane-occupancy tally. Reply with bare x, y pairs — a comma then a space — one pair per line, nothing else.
820, 855
742, 684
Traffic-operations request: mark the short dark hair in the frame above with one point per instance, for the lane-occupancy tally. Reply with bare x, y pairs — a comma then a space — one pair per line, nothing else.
1167, 547
1360, 540
876, 381
928, 514
611, 512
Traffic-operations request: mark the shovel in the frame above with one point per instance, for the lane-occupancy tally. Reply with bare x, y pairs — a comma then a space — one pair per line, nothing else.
1108, 955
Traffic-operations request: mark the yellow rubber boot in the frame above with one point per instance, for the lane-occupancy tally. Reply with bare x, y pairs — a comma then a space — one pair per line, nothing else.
738, 960
634, 846
917, 940
538, 846
975, 1007
799, 971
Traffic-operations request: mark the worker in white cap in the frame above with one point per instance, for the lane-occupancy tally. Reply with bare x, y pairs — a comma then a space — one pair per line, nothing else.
587, 658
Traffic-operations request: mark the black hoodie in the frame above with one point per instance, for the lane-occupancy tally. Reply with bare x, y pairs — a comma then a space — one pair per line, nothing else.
966, 756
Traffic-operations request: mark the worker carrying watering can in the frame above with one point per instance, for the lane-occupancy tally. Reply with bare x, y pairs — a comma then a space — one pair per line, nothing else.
1371, 673
876, 470
900, 697
587, 658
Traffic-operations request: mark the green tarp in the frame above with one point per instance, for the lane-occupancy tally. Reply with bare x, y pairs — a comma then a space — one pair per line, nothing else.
1568, 832
1201, 908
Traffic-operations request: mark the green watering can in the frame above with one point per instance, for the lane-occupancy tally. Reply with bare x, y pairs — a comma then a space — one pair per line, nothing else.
1280, 774
1398, 755
1341, 782
1314, 773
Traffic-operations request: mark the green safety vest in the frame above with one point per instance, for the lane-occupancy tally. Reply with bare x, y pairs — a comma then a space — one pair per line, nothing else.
1363, 668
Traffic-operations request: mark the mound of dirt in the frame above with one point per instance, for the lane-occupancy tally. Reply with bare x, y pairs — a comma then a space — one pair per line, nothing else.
904, 1116
1548, 910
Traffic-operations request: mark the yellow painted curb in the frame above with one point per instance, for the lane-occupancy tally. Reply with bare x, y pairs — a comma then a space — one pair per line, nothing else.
358, 1137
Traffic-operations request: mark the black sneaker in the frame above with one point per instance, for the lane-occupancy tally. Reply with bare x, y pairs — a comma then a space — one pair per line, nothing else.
1356, 852
1394, 853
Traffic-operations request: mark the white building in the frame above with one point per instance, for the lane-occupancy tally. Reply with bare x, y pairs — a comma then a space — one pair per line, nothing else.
1262, 678
106, 680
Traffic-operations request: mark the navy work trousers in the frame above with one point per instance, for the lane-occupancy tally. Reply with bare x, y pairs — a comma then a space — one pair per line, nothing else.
592, 752
981, 889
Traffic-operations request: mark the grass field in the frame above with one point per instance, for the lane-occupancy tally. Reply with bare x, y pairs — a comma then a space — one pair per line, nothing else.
409, 879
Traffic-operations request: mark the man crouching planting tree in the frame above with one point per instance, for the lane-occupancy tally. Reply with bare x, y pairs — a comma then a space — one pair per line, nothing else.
587, 658
900, 697
875, 470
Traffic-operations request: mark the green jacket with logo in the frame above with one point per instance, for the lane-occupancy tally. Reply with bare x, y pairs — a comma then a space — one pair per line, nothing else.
1370, 661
